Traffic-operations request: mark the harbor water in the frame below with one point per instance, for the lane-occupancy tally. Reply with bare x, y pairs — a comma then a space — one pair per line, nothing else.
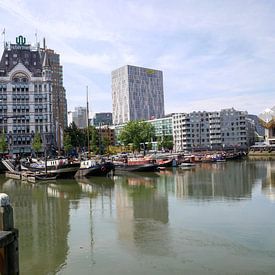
210, 219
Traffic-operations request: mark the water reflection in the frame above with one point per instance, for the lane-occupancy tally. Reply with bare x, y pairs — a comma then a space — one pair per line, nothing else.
212, 181
144, 213
43, 223
268, 183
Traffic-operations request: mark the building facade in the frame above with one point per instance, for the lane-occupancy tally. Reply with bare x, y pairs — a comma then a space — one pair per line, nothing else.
103, 119
137, 94
212, 130
25, 96
79, 117
190, 131
260, 130
163, 126
267, 120
59, 101
106, 134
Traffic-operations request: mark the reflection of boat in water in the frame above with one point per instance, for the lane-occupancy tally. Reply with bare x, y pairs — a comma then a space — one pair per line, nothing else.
91, 168
45, 177
138, 179
64, 189
140, 182
106, 181
187, 165
96, 185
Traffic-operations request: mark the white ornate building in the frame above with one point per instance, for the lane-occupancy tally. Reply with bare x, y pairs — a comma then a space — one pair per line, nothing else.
25, 96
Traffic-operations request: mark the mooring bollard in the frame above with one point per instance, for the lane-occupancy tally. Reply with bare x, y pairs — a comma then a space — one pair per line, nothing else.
9, 253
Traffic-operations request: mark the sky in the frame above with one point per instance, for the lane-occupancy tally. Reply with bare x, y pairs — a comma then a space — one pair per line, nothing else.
213, 54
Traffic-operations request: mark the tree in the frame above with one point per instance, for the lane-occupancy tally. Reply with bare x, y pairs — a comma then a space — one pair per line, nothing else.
94, 139
165, 142
3, 143
77, 135
67, 143
137, 133
105, 145
37, 143
168, 142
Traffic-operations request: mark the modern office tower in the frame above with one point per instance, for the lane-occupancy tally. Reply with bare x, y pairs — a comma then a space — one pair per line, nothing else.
137, 94
25, 96
59, 102
102, 119
79, 117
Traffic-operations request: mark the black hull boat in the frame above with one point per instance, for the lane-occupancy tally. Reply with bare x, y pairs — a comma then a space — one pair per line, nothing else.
58, 168
150, 167
91, 168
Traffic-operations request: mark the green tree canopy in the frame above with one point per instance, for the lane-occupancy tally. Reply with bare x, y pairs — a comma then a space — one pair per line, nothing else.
137, 132
67, 143
78, 136
165, 142
94, 139
3, 143
37, 143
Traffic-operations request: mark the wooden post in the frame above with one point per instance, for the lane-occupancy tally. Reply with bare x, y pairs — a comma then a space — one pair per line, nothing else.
9, 254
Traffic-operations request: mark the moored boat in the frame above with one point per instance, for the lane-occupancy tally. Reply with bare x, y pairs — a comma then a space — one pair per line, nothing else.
136, 165
61, 167
166, 162
91, 167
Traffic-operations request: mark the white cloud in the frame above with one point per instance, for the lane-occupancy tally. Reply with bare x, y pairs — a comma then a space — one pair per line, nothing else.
213, 53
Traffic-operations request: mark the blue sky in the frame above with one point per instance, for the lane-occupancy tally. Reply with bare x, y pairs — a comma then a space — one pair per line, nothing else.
213, 54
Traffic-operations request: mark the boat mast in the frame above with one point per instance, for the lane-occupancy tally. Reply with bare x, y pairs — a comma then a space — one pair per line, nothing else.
87, 115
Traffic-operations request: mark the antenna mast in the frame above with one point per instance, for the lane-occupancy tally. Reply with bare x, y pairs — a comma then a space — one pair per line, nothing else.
87, 115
